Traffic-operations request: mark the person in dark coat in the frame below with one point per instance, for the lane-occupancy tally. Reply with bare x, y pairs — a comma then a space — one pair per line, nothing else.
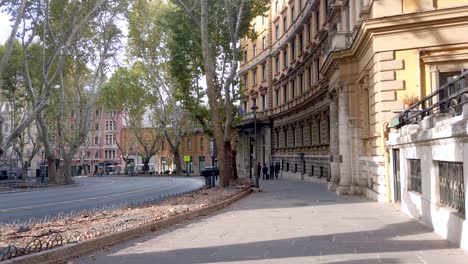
272, 171
265, 172
277, 169
259, 169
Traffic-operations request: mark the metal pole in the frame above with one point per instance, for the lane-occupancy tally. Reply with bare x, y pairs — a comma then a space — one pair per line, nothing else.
250, 156
257, 177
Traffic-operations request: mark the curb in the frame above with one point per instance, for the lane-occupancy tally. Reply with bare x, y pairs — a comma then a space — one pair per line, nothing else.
66, 252
37, 188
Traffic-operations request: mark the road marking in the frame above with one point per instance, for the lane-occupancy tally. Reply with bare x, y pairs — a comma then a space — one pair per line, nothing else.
80, 200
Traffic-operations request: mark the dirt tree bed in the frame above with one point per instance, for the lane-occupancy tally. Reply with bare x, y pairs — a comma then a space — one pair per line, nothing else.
38, 237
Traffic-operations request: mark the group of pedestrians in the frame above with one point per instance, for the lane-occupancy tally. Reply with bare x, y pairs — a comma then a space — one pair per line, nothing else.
274, 171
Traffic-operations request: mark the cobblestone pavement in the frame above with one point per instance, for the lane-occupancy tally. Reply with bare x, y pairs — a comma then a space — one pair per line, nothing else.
291, 222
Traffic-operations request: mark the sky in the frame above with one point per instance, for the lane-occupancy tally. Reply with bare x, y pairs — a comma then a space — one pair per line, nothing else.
5, 27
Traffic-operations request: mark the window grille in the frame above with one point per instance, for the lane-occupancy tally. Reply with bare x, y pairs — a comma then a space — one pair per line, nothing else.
452, 185
415, 175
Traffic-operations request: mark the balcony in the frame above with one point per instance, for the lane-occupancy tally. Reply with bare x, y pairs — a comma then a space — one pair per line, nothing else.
451, 99
337, 41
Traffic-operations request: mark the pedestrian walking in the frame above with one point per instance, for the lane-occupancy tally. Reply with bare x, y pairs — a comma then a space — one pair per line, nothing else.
259, 169
277, 169
272, 171
265, 172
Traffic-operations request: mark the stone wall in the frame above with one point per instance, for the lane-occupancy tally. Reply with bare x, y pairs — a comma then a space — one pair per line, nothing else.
438, 138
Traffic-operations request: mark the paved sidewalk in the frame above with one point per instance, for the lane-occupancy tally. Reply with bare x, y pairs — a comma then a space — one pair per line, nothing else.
292, 222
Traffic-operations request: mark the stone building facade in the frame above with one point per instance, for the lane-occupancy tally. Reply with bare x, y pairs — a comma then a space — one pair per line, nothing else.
329, 75
198, 146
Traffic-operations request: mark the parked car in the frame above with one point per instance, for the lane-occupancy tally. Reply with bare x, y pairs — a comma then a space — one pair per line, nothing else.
210, 171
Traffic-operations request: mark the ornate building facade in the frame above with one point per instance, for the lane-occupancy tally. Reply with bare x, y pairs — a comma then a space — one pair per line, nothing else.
329, 75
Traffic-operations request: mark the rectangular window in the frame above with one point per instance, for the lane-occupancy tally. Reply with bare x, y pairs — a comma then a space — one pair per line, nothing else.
285, 23
276, 7
96, 155
308, 33
277, 139
254, 77
245, 107
294, 136
263, 102
415, 175
254, 101
292, 13
201, 144
285, 58
96, 140
301, 83
163, 145
263, 72
277, 97
317, 21
317, 70
293, 89
326, 7
301, 43
302, 135
276, 31
97, 112
311, 76
263, 43
293, 50
277, 64
96, 126
189, 144
452, 185
201, 163
285, 93
285, 138
245, 56
311, 142
254, 48
246, 80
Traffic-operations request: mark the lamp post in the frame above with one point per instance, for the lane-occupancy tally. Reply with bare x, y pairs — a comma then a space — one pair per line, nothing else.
254, 110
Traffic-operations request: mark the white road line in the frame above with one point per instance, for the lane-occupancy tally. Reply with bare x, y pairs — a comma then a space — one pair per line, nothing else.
79, 200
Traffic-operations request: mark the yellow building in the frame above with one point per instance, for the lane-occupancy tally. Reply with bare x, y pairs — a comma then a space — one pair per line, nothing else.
329, 75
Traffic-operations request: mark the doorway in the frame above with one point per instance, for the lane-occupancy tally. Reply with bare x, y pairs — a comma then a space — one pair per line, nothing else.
396, 176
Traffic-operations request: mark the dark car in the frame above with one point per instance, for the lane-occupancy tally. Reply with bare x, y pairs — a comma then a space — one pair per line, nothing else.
210, 171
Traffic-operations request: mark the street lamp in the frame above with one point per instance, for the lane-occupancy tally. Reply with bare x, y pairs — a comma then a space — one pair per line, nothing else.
254, 110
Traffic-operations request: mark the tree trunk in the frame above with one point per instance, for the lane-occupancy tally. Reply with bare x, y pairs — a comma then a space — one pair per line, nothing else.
228, 164
234, 164
178, 164
66, 170
146, 165
212, 92
52, 170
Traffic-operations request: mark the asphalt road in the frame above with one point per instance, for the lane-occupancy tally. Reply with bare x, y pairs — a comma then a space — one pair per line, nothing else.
90, 193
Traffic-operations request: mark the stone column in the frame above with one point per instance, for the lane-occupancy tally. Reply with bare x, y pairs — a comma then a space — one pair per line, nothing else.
334, 143
268, 143
352, 11
344, 141
358, 9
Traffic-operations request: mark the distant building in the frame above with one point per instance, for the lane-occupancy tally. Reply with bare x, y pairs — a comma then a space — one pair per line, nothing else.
196, 146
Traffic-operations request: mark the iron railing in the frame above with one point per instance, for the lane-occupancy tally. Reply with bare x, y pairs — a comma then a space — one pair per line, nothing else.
450, 98
452, 185
415, 175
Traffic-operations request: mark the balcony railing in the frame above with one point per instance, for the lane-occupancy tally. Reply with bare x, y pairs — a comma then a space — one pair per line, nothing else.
449, 98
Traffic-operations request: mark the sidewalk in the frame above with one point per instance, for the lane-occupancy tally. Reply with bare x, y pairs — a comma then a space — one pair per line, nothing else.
291, 222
